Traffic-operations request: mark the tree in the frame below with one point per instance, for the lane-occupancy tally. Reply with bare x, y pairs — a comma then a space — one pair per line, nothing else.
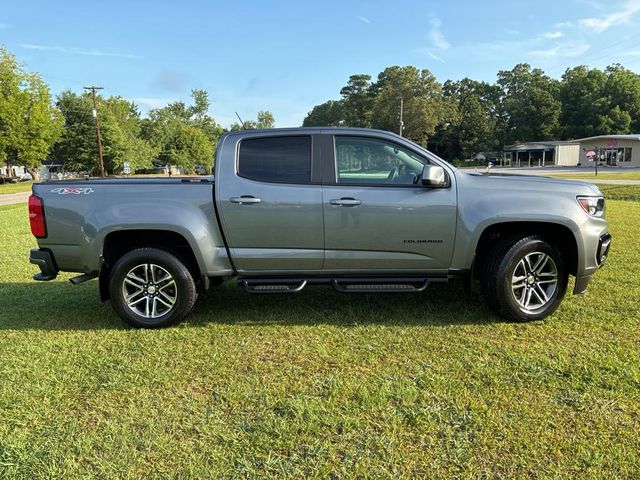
584, 103
121, 128
327, 114
121, 134
623, 90
198, 117
77, 147
471, 127
265, 120
358, 100
424, 106
185, 146
183, 135
529, 105
29, 124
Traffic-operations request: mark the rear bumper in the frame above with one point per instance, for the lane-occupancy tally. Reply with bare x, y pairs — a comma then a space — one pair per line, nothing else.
43, 259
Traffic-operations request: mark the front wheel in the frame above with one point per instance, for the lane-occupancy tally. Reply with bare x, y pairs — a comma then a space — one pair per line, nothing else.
151, 288
525, 278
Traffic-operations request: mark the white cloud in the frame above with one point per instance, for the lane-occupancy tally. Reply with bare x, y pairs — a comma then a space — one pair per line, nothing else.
563, 25
435, 57
552, 35
77, 51
436, 35
569, 50
629, 9
363, 19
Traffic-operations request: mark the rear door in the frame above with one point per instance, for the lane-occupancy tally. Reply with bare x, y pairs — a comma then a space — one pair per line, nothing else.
270, 202
377, 214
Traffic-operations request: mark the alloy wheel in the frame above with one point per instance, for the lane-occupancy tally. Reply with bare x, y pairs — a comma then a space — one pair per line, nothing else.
149, 290
534, 281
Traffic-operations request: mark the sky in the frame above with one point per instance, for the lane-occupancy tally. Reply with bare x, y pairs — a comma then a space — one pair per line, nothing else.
287, 56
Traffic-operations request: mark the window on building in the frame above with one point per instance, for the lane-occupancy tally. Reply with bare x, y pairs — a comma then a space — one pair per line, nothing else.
276, 159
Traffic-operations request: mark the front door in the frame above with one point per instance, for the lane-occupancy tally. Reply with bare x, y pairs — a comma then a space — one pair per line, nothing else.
269, 205
378, 216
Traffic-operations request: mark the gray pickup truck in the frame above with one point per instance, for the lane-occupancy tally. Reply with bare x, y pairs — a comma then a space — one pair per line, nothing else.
360, 210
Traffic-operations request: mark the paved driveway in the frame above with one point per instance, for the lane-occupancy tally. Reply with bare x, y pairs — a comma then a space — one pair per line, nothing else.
11, 198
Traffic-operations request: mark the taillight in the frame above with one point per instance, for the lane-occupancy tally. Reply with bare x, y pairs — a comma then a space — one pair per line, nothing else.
36, 217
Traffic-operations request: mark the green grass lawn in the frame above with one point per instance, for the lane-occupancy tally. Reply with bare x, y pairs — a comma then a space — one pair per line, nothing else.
635, 175
320, 384
621, 192
15, 187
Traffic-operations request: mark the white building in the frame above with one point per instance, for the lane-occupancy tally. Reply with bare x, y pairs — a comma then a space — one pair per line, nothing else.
611, 150
18, 171
541, 154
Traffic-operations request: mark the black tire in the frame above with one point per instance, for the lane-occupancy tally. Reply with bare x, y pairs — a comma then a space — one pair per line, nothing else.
166, 303
537, 295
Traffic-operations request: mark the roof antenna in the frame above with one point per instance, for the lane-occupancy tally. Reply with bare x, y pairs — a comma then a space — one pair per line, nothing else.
244, 127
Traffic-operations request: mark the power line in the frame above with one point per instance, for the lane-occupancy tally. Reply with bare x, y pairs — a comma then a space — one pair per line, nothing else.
93, 89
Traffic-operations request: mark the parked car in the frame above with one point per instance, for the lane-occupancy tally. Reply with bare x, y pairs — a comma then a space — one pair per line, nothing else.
360, 210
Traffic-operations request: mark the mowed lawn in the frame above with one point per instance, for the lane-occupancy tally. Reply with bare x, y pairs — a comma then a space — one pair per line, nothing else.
320, 384
607, 175
15, 187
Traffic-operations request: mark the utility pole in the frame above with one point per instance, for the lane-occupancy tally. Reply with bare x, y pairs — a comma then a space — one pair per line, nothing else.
401, 109
95, 115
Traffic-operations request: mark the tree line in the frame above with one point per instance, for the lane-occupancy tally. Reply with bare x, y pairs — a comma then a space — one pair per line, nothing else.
459, 118
455, 119
34, 127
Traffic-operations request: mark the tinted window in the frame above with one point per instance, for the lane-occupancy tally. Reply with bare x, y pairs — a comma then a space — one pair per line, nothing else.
276, 159
369, 161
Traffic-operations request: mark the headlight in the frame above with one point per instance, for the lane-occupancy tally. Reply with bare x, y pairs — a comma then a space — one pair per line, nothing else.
594, 206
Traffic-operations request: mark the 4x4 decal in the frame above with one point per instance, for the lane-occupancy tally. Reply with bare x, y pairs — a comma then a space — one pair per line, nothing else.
72, 191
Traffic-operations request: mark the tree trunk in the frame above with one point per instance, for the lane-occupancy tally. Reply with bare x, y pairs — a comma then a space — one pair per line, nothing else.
34, 173
9, 168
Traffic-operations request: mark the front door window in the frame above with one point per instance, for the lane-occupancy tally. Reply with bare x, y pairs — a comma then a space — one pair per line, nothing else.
363, 161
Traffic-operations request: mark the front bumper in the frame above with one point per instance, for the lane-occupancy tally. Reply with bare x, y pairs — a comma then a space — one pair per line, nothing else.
44, 259
602, 252
603, 249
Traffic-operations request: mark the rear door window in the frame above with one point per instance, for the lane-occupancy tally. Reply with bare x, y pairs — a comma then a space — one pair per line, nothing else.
276, 159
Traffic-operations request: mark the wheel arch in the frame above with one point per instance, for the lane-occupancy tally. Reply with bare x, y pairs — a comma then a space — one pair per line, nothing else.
119, 242
559, 235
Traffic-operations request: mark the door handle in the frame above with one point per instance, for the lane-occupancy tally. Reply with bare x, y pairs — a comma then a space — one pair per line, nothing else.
245, 200
345, 202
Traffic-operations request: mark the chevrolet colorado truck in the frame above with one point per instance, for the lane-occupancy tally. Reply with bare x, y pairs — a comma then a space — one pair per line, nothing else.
360, 210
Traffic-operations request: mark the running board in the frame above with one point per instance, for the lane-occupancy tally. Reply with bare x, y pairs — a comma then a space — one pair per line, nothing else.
83, 278
382, 285
272, 286
341, 284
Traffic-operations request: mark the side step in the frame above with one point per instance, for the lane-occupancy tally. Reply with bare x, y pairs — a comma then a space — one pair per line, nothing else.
341, 284
380, 285
272, 286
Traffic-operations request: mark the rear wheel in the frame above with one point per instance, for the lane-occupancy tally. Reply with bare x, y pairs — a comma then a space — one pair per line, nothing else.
524, 278
151, 288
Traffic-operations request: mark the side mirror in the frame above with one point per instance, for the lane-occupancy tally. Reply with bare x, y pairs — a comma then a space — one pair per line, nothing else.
433, 176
